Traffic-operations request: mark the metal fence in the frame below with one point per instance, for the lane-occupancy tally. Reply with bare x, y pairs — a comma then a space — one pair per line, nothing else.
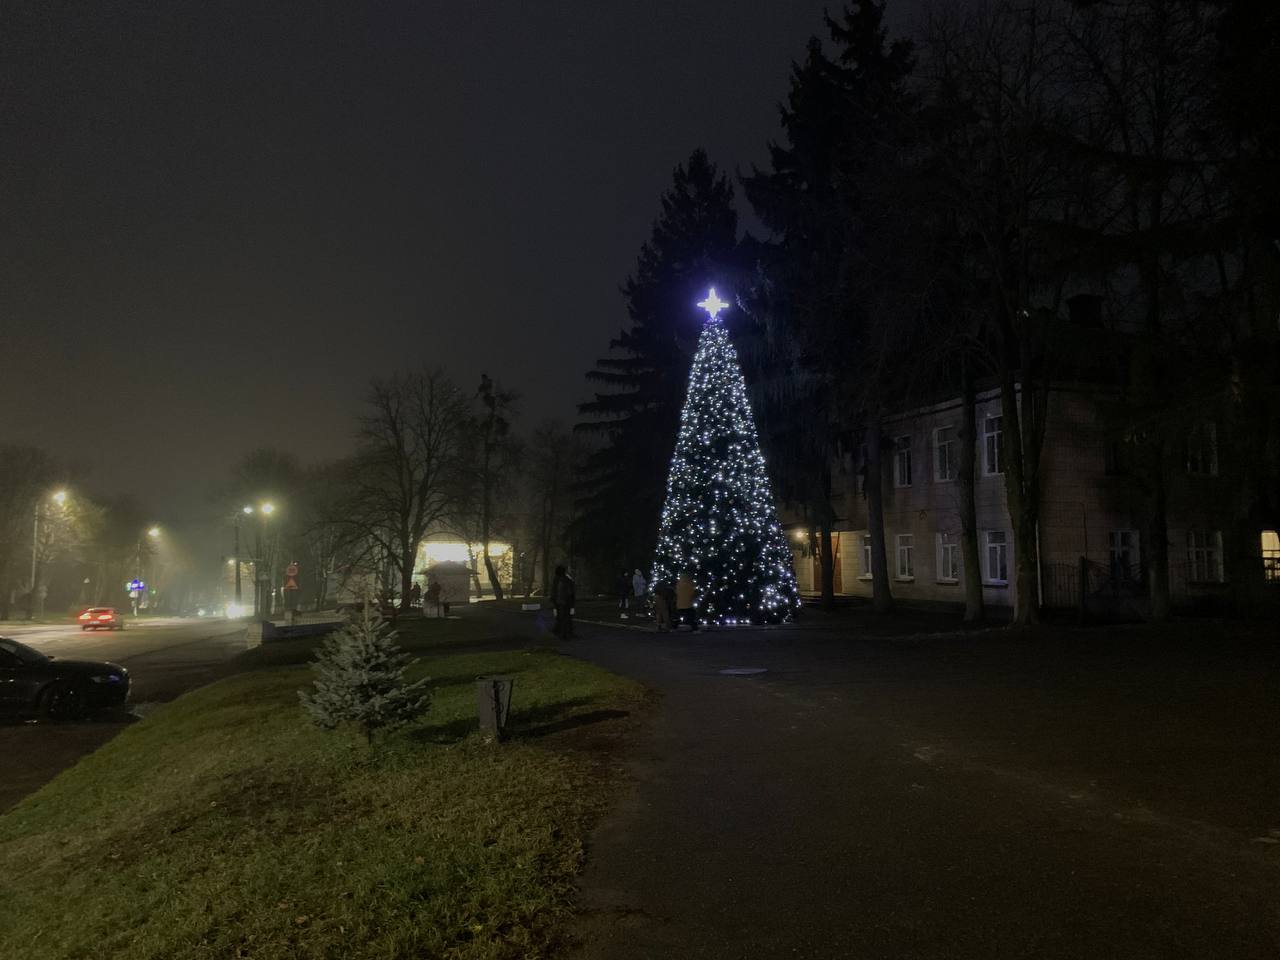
1120, 592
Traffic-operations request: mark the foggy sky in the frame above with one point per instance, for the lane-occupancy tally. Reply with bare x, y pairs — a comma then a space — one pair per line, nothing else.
217, 221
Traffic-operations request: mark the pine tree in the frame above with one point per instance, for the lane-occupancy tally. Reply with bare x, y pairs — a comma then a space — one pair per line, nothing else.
719, 522
361, 679
640, 386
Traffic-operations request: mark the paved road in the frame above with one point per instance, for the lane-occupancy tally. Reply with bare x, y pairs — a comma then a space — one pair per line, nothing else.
165, 658
1109, 795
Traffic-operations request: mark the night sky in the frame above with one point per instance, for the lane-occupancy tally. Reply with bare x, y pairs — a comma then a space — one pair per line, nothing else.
217, 221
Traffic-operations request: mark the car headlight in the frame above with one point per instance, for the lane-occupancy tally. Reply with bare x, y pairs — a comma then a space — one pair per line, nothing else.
106, 678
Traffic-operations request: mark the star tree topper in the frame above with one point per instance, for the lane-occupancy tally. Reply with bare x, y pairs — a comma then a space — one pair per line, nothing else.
713, 304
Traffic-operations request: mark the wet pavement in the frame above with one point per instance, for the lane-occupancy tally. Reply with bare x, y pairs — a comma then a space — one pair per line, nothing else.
846, 792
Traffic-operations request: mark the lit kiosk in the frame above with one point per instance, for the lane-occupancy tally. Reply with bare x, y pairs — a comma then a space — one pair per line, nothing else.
719, 521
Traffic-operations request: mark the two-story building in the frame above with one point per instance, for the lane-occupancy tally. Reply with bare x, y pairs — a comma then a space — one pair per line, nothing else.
1090, 532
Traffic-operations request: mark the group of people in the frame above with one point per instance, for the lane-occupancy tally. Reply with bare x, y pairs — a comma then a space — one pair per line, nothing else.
432, 600
672, 605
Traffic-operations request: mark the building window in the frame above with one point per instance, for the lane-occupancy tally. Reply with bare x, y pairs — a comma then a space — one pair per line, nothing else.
1271, 555
902, 462
1124, 554
866, 556
906, 563
993, 445
1204, 556
944, 454
1202, 450
948, 558
997, 558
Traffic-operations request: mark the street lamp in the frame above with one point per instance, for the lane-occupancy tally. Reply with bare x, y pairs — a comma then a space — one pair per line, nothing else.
60, 498
263, 510
151, 533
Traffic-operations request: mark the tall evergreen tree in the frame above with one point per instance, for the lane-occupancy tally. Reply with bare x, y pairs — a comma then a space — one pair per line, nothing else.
833, 265
719, 521
642, 384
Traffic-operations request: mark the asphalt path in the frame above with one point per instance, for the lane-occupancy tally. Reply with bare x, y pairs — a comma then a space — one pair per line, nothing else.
165, 658
862, 797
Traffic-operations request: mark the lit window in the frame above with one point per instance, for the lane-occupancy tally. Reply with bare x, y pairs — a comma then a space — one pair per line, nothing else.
906, 562
1271, 555
866, 556
902, 462
1124, 554
997, 558
944, 454
948, 558
1204, 556
993, 445
1202, 449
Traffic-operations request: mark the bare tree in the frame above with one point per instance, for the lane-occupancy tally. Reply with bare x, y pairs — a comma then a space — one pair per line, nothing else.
996, 74
553, 459
26, 474
495, 458
408, 473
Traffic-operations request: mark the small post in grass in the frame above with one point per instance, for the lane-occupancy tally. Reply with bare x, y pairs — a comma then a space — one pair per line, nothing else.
493, 703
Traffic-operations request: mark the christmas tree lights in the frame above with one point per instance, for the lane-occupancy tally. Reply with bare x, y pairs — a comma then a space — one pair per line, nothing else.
719, 521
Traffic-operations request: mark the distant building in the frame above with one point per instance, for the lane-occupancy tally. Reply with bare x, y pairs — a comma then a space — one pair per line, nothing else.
443, 549
1091, 541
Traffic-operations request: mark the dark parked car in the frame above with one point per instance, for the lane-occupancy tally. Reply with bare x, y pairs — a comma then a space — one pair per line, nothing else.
33, 684
101, 618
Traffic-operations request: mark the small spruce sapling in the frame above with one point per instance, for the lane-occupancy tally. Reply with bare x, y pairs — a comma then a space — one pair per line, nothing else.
361, 679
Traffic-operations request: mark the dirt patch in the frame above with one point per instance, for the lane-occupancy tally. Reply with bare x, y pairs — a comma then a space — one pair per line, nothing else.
35, 753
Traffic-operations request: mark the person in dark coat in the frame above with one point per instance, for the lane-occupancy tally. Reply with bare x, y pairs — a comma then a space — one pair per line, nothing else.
563, 595
664, 605
622, 586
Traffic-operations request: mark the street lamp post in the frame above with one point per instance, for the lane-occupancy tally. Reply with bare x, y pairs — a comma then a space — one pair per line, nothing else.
59, 498
152, 533
244, 511
263, 510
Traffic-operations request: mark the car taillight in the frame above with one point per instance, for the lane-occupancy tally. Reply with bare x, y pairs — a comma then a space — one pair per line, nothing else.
104, 616
84, 616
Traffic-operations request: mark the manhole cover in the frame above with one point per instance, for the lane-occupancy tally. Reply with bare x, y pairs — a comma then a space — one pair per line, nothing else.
742, 671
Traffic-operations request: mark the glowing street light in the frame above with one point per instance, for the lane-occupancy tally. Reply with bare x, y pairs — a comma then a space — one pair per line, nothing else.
154, 533
264, 511
60, 498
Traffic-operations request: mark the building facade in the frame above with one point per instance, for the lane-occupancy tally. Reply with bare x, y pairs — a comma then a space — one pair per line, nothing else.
1091, 539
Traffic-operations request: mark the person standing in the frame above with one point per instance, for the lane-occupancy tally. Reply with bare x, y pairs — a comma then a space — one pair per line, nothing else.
664, 604
622, 587
639, 591
433, 597
415, 594
563, 596
686, 596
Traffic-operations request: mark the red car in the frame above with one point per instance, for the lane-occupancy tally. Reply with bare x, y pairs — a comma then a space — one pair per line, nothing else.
101, 618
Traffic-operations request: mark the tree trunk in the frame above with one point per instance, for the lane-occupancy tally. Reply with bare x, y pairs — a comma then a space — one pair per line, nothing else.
1022, 497
494, 580
881, 597
826, 555
1158, 545
971, 560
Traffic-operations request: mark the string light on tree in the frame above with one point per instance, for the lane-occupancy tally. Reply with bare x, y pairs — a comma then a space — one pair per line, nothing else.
719, 521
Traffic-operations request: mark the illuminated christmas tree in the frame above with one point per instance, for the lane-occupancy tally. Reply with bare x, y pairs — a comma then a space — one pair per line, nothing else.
719, 521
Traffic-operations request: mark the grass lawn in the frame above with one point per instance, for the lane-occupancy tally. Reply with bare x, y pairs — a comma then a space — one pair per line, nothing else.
225, 825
